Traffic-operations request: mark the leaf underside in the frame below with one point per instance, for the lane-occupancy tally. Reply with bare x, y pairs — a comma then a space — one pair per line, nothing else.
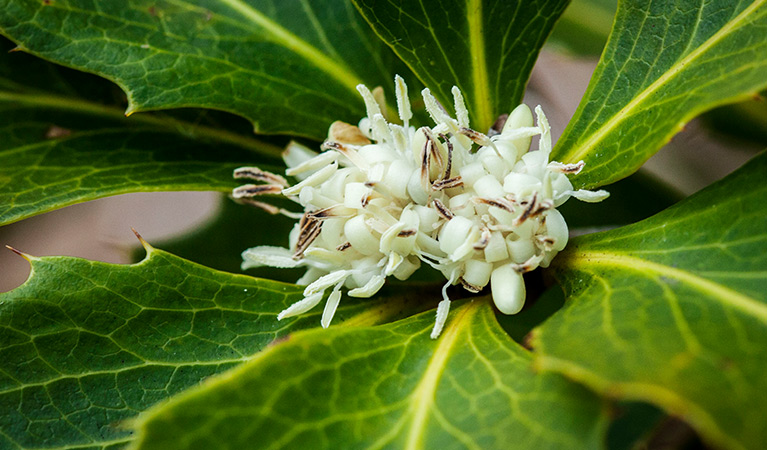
676, 306
664, 64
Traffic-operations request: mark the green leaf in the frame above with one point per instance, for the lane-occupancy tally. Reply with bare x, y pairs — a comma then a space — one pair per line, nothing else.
384, 387
583, 28
745, 121
86, 345
289, 68
677, 307
665, 63
486, 48
60, 146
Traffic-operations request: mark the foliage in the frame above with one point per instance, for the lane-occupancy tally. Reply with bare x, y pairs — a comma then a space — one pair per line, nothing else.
669, 309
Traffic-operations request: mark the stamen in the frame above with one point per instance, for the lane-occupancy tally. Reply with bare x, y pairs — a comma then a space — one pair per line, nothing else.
474, 289
252, 190
436, 111
347, 151
528, 265
447, 184
479, 138
449, 167
572, 169
442, 210
254, 173
371, 105
403, 102
484, 239
531, 206
497, 202
310, 229
461, 113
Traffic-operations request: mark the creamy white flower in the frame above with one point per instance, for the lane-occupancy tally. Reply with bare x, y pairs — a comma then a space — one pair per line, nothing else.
383, 198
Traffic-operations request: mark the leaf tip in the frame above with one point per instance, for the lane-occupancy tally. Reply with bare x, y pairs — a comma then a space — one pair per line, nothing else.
143, 242
20, 253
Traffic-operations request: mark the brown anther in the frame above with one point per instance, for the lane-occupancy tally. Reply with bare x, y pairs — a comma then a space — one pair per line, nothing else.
254, 173
344, 246
326, 213
574, 168
309, 231
425, 161
546, 242
473, 288
449, 167
542, 207
447, 184
252, 190
475, 136
442, 210
531, 206
501, 203
407, 233
484, 239
347, 134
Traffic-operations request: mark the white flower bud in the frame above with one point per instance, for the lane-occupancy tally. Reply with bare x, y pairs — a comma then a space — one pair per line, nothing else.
508, 288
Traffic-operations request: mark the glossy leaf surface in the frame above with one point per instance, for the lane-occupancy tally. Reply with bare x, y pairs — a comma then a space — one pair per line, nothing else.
389, 386
84, 345
66, 140
664, 64
677, 307
288, 66
486, 48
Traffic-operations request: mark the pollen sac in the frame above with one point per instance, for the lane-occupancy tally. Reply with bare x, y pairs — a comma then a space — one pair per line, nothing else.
383, 198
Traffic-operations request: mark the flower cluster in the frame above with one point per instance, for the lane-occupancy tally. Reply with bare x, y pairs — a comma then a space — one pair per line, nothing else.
383, 198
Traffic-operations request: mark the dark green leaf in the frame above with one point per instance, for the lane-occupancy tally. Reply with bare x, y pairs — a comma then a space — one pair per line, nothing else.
64, 143
633, 425
632, 199
745, 121
288, 66
584, 27
673, 310
665, 63
384, 387
86, 345
486, 48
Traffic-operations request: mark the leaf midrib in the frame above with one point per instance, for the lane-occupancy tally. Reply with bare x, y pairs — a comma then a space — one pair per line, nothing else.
581, 151
310, 53
63, 103
724, 294
422, 398
474, 14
